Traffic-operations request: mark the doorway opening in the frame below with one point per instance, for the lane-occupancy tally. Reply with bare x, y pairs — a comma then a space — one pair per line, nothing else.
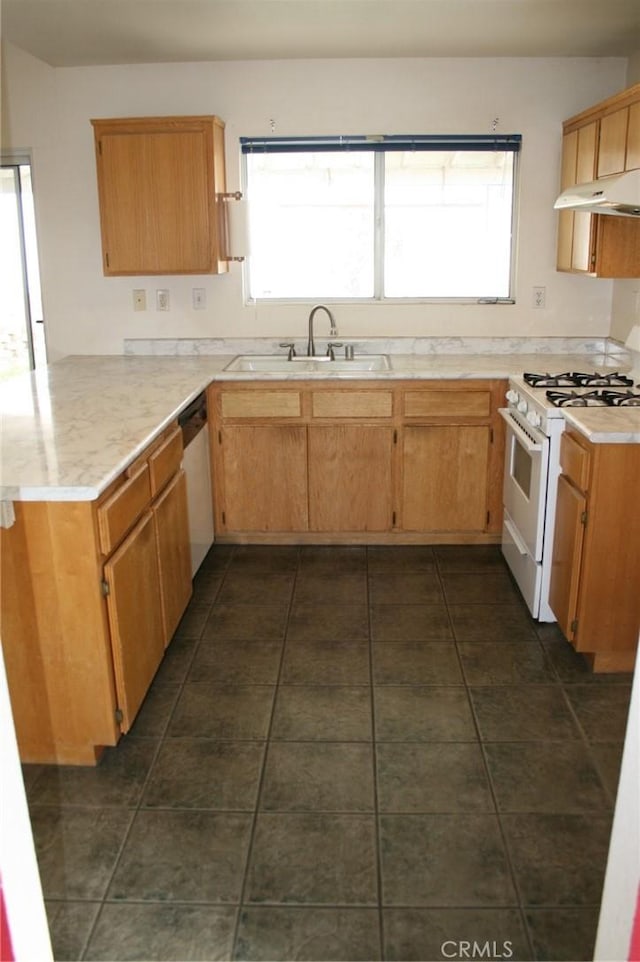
22, 338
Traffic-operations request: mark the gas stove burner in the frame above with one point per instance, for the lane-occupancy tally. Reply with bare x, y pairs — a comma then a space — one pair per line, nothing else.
578, 379
564, 399
626, 399
569, 399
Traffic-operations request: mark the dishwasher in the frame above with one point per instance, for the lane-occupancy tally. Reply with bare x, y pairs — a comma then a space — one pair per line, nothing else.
197, 468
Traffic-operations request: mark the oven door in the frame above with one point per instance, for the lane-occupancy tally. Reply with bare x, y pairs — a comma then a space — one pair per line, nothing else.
525, 481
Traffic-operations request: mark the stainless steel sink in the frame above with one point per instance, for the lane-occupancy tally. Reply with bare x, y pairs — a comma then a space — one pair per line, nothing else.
277, 364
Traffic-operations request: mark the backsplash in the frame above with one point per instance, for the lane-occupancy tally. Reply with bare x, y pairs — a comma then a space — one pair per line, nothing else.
182, 347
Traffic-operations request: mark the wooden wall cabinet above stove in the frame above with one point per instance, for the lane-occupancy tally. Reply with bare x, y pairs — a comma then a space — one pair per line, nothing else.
600, 141
92, 593
402, 462
158, 184
595, 574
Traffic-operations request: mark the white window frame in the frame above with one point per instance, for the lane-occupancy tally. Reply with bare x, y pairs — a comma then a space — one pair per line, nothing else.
378, 254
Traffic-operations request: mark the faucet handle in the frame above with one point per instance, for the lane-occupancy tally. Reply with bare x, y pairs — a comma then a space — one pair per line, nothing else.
292, 349
330, 347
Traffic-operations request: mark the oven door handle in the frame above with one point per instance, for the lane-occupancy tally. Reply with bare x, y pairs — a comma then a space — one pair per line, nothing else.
522, 436
515, 537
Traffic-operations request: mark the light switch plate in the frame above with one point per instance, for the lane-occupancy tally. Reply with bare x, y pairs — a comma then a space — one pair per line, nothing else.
162, 299
199, 298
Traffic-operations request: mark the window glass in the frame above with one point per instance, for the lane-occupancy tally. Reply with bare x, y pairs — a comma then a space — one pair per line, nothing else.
447, 217
381, 221
311, 224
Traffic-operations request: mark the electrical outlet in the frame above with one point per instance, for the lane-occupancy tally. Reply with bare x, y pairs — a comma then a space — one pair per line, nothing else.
139, 300
539, 297
162, 299
199, 298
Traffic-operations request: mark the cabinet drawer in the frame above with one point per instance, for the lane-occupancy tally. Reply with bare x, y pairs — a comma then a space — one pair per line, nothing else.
165, 461
122, 509
421, 404
574, 460
352, 404
260, 404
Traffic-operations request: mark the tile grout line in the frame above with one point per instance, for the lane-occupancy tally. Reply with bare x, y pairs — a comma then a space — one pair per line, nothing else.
501, 829
245, 878
374, 761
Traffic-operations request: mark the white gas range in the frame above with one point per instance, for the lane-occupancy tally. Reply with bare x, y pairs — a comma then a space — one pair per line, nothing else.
535, 421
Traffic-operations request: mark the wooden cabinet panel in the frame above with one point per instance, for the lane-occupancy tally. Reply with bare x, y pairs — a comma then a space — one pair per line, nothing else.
121, 510
596, 565
135, 616
264, 477
613, 142
165, 461
444, 484
350, 478
352, 404
574, 460
633, 138
565, 217
458, 403
157, 192
260, 404
586, 153
174, 557
567, 554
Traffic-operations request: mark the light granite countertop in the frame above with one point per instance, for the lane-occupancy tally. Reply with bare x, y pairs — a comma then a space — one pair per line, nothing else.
71, 428
606, 425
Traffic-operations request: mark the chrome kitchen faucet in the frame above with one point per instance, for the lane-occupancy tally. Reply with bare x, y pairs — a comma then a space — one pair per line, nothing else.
311, 347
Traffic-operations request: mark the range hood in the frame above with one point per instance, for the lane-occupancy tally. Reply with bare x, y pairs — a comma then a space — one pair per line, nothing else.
619, 194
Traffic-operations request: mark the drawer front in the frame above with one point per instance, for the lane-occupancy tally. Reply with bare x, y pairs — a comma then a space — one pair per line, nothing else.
352, 404
426, 404
260, 404
165, 461
574, 461
122, 509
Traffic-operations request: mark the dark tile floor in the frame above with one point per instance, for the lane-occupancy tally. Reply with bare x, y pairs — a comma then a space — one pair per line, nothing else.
348, 753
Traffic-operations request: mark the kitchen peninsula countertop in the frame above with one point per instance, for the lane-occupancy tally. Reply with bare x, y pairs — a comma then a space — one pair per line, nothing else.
68, 430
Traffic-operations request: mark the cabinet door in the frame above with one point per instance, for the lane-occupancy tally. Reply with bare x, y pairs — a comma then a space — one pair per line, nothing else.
565, 217
350, 477
157, 197
135, 616
264, 477
567, 555
613, 142
633, 138
584, 225
174, 554
445, 470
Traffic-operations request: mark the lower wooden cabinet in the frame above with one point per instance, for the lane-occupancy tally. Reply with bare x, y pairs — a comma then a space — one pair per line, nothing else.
89, 595
595, 576
171, 526
134, 604
263, 478
369, 461
445, 478
350, 477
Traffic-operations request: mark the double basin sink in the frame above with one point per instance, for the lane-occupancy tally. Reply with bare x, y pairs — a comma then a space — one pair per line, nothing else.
277, 364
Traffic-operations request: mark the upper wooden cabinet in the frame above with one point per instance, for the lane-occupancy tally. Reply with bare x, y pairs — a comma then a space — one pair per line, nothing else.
159, 181
599, 142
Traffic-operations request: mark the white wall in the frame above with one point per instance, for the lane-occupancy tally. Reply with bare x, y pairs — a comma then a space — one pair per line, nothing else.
49, 111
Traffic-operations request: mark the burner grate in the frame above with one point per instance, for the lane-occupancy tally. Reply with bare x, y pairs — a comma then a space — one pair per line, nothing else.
579, 379
598, 398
